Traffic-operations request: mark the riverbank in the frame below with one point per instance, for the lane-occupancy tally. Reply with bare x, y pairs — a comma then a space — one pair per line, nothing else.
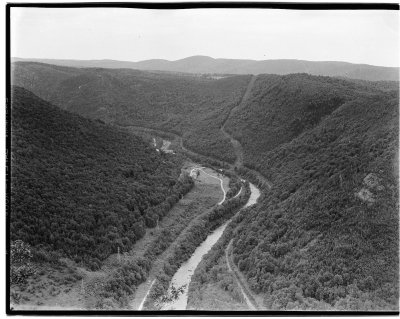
182, 276
205, 195
213, 285
161, 286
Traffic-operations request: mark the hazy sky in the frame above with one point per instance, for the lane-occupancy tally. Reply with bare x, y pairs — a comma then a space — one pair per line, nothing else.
138, 34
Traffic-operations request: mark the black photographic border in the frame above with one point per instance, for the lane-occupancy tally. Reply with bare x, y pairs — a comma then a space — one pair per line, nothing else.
162, 6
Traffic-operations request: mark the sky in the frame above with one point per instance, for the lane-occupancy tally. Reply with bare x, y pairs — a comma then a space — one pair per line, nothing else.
370, 36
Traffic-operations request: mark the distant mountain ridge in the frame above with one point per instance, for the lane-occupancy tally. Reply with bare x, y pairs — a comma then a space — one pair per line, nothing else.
205, 64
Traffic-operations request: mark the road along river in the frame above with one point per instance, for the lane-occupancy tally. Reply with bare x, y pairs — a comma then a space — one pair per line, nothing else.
184, 273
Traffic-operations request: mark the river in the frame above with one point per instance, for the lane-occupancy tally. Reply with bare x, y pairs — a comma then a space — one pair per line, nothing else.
184, 273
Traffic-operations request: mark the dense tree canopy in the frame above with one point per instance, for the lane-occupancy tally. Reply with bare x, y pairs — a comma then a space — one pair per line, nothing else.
281, 108
81, 187
324, 237
313, 238
191, 106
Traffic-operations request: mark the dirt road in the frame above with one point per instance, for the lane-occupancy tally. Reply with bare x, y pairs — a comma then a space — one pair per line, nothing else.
235, 143
221, 181
250, 300
206, 180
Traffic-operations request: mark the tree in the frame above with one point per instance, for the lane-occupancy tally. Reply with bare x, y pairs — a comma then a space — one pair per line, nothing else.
20, 262
172, 294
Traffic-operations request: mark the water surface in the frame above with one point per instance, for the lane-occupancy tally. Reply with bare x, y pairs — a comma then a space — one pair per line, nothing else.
184, 274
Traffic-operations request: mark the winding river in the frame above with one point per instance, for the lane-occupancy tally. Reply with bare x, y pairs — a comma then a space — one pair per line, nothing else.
184, 274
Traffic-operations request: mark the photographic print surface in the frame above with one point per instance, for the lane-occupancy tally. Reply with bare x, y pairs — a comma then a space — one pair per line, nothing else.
237, 159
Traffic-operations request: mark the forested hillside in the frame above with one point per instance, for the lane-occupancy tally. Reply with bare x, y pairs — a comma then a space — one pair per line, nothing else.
81, 188
205, 64
192, 106
281, 108
326, 236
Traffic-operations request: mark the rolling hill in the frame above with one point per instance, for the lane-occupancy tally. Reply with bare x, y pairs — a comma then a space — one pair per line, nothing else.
281, 108
326, 236
205, 64
81, 188
191, 106
329, 229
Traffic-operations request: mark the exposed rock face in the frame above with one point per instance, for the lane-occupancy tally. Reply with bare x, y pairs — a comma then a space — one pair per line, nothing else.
372, 181
365, 195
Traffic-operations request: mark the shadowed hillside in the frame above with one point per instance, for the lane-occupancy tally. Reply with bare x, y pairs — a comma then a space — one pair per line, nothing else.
281, 108
81, 188
194, 107
326, 235
329, 229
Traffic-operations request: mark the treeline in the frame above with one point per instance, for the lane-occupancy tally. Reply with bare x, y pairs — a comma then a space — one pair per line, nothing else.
82, 189
115, 291
210, 142
180, 145
235, 184
208, 161
154, 214
255, 177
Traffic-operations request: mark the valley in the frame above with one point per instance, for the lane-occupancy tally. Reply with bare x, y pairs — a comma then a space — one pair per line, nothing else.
89, 294
235, 143
242, 190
